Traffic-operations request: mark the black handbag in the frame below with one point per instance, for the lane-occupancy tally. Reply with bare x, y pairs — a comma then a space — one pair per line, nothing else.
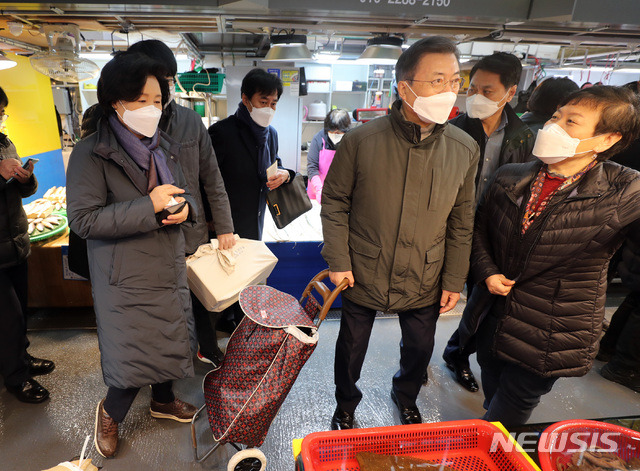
288, 202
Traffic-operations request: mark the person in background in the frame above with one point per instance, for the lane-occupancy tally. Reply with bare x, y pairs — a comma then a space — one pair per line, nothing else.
503, 138
323, 148
544, 234
17, 367
619, 346
397, 217
119, 180
200, 167
586, 85
545, 99
246, 145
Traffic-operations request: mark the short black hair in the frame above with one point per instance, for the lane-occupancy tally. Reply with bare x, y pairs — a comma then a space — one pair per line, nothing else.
260, 81
619, 112
158, 51
545, 97
124, 78
4, 99
409, 60
506, 65
337, 120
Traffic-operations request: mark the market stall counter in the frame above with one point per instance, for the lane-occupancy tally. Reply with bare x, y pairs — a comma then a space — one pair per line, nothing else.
51, 283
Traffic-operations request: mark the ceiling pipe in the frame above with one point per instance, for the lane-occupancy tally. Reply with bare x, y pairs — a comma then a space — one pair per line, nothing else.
191, 46
22, 45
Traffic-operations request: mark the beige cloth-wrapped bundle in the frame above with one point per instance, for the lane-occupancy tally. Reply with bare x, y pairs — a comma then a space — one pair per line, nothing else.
74, 466
217, 276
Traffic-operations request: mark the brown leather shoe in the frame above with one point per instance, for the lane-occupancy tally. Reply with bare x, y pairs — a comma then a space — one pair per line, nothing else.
105, 433
176, 410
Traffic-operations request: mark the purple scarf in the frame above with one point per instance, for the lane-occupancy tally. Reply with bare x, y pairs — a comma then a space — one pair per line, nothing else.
145, 152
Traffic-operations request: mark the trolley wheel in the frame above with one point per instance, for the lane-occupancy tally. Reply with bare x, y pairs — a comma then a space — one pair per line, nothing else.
250, 459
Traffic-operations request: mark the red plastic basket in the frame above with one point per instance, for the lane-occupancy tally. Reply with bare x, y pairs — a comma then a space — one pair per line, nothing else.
561, 440
463, 445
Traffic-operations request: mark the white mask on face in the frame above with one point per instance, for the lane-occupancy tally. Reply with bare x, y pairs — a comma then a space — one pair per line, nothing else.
143, 120
481, 107
335, 137
554, 144
262, 116
3, 118
434, 108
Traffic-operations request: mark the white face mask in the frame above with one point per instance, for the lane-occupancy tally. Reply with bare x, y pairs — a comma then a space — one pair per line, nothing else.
434, 108
554, 144
335, 137
262, 116
3, 118
143, 120
481, 107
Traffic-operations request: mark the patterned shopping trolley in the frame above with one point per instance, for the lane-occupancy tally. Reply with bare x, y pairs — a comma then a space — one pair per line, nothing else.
264, 356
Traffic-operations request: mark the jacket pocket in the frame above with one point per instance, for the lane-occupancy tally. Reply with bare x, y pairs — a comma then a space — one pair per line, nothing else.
433, 261
364, 258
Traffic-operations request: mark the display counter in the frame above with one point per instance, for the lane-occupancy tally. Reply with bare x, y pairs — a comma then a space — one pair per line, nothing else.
51, 283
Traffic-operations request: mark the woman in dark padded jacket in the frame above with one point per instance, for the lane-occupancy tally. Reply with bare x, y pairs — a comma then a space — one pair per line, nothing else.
544, 234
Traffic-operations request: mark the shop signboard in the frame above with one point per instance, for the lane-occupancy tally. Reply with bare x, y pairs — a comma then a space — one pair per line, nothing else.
512, 9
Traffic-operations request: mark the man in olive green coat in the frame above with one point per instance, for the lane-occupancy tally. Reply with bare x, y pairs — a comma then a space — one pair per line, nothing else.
397, 215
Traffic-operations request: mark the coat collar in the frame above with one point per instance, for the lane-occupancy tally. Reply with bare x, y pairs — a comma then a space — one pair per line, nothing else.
108, 148
411, 131
248, 139
516, 183
515, 126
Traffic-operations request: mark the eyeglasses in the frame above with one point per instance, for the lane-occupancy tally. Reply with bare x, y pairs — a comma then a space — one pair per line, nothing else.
439, 84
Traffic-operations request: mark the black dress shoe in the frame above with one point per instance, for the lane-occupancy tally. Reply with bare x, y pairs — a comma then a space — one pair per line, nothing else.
628, 378
408, 415
463, 375
38, 366
29, 391
341, 420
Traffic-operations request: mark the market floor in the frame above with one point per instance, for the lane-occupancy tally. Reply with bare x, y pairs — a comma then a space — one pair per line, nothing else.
36, 437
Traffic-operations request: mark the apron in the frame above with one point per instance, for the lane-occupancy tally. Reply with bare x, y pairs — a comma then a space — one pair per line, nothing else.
325, 157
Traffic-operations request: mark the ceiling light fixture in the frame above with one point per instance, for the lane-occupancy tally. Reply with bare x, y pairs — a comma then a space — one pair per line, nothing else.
5, 62
382, 50
288, 47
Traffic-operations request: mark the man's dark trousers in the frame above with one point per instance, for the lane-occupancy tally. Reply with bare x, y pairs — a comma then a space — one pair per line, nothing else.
13, 340
418, 328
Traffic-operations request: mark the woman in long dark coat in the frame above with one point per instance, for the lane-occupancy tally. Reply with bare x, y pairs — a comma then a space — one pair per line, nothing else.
119, 181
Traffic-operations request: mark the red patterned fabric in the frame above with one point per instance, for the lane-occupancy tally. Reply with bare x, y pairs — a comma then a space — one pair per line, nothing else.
272, 308
259, 368
311, 307
543, 188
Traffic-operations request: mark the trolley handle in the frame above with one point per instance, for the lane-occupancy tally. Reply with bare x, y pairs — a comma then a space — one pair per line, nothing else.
328, 296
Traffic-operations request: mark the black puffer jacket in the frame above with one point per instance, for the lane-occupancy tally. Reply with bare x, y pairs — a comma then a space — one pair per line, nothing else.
14, 240
553, 314
517, 143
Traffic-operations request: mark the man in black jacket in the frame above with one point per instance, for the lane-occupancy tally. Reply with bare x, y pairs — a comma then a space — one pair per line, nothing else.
246, 145
503, 138
17, 367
